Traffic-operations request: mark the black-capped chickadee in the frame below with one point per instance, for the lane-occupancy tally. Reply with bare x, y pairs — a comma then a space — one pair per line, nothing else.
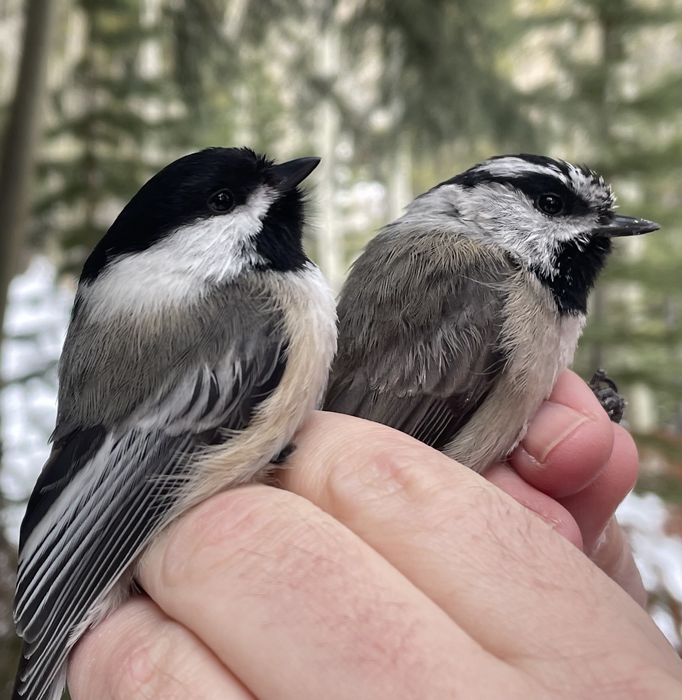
200, 340
456, 320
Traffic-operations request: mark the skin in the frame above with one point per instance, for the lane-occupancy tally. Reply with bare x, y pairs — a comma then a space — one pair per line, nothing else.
384, 569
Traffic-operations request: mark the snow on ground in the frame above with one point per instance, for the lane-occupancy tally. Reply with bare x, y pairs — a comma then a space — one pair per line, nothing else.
658, 555
35, 324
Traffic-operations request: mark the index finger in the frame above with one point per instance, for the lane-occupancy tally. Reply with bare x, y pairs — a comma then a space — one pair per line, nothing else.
472, 549
297, 606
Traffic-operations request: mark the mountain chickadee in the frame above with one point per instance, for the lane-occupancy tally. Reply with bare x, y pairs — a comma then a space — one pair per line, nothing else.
457, 318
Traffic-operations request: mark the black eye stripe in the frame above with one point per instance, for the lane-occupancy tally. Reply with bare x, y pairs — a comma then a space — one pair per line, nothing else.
537, 185
533, 185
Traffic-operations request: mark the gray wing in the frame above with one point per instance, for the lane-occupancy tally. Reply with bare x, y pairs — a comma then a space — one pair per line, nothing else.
106, 489
419, 335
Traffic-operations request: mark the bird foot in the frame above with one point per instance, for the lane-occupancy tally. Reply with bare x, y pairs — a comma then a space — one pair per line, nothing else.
612, 402
282, 457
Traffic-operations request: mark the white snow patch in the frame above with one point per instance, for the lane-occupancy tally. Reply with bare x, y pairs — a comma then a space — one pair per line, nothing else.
658, 555
35, 326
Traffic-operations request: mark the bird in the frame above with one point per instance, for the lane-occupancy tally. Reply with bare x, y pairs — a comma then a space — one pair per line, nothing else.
456, 319
200, 340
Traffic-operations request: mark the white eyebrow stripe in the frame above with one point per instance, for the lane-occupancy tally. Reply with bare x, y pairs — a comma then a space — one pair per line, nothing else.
511, 167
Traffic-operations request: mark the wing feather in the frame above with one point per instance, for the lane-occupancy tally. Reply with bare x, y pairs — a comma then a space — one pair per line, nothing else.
104, 492
420, 348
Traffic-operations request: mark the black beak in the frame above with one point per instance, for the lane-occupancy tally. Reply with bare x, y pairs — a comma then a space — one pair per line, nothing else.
625, 226
286, 176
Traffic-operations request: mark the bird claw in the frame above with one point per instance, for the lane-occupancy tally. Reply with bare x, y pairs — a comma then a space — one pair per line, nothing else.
612, 402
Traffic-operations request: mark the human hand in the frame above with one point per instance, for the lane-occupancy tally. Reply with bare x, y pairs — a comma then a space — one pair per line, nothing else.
573, 468
387, 570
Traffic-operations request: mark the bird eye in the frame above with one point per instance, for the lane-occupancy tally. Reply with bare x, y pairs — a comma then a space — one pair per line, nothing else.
551, 204
221, 201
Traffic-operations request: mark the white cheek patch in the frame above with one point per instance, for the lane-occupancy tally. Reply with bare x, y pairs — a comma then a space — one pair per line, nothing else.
494, 214
178, 267
499, 214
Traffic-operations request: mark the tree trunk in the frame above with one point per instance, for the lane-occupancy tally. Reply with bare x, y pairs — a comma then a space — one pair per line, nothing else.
329, 238
400, 178
21, 137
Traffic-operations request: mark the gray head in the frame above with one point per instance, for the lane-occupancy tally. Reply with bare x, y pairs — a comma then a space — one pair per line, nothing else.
552, 217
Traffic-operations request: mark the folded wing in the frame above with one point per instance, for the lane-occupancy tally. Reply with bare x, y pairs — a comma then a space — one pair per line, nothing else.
419, 345
105, 491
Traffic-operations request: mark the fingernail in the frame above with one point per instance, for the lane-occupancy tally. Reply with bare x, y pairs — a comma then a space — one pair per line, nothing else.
553, 423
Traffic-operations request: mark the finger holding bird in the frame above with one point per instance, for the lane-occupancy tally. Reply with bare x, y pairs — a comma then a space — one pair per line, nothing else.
202, 335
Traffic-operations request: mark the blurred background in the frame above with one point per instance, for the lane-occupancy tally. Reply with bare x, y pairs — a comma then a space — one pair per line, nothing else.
395, 95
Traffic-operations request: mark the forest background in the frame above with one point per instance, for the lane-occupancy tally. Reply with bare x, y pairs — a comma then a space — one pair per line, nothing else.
395, 95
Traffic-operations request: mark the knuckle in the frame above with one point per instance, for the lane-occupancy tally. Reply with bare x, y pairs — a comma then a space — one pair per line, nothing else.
144, 671
124, 658
390, 468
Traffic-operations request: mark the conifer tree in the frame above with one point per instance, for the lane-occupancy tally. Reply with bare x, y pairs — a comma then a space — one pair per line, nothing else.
615, 103
622, 108
105, 116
